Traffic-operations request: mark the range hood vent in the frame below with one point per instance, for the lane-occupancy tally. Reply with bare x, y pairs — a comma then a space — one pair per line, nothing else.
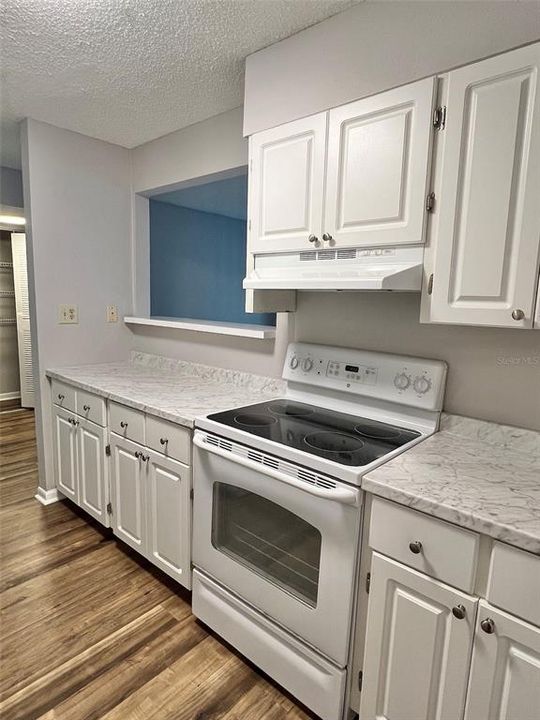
385, 268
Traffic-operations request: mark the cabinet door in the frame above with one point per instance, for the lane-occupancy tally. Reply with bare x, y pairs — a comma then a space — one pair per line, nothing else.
93, 480
129, 492
416, 660
487, 231
505, 673
169, 517
378, 167
65, 453
286, 183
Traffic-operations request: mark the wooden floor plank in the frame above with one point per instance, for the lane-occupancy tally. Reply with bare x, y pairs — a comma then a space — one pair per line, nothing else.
89, 631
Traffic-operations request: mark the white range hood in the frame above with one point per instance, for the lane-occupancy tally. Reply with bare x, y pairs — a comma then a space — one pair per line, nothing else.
386, 268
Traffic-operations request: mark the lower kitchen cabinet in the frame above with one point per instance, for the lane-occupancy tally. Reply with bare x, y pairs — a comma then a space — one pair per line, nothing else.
505, 673
65, 453
151, 506
418, 645
92, 469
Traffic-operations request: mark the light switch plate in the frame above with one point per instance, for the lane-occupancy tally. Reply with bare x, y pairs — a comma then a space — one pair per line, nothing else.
68, 314
112, 313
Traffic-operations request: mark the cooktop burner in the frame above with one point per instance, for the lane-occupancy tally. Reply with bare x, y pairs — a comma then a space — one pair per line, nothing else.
336, 436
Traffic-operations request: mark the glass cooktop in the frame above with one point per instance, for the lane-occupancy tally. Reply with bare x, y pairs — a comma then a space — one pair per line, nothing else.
344, 439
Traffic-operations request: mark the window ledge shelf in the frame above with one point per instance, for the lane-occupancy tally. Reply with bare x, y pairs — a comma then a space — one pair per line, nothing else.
259, 332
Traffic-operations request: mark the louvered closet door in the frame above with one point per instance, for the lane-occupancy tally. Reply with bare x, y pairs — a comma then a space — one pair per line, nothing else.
488, 225
20, 278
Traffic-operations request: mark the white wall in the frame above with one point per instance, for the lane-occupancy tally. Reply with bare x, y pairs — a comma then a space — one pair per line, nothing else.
211, 147
78, 204
375, 46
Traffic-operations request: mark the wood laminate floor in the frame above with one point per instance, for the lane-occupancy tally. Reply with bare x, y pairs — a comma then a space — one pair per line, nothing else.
89, 631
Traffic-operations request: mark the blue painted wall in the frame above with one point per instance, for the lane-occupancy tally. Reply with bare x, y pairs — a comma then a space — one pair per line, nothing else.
197, 264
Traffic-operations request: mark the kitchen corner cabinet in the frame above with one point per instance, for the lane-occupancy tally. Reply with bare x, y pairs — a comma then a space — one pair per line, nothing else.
418, 643
355, 176
486, 227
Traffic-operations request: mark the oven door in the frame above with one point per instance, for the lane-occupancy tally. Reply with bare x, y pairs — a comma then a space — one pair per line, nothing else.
281, 543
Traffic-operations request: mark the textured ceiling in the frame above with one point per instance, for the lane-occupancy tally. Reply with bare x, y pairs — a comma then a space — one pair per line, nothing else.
221, 197
128, 71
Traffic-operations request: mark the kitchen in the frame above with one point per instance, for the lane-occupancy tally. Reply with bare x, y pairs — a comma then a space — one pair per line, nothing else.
386, 483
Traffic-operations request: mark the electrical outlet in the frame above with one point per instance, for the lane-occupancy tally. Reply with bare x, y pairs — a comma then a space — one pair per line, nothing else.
68, 314
112, 313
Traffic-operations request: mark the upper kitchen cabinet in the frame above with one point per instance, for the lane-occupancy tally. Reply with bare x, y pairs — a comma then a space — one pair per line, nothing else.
378, 168
485, 241
286, 183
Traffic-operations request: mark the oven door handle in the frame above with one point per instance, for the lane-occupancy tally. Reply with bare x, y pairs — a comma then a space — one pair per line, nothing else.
338, 494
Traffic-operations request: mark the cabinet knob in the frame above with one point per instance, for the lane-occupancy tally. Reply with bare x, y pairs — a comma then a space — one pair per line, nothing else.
459, 612
163, 441
138, 454
61, 397
313, 239
518, 314
86, 408
123, 424
488, 626
415, 547
328, 238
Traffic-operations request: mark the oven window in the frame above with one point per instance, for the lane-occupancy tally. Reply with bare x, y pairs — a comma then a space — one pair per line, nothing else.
269, 539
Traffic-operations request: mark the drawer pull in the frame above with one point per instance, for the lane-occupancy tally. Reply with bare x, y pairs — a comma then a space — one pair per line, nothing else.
86, 408
123, 424
415, 547
141, 456
459, 612
61, 397
488, 626
163, 441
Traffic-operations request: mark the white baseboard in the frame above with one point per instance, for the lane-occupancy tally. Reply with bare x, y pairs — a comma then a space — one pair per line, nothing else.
10, 396
47, 497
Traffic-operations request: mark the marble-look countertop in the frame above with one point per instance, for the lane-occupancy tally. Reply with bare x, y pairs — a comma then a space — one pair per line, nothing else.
476, 474
172, 389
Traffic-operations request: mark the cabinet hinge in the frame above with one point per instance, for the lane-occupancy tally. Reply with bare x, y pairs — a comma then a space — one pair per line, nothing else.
368, 582
249, 224
360, 678
439, 117
191, 494
107, 450
109, 508
430, 202
430, 284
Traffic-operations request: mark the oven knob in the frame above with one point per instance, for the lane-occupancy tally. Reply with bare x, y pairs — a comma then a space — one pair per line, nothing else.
307, 364
422, 384
293, 363
402, 381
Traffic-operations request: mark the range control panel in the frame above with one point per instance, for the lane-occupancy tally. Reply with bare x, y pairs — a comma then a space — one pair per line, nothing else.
396, 378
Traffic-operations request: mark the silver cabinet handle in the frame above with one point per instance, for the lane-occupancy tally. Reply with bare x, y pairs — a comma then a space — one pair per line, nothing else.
459, 611
415, 547
488, 626
61, 397
313, 239
328, 238
73, 422
138, 454
518, 314
123, 424
86, 408
163, 441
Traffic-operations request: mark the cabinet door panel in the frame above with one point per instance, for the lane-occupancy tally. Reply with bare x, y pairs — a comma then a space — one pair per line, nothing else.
129, 496
488, 225
378, 167
417, 653
169, 517
286, 185
93, 481
505, 673
65, 454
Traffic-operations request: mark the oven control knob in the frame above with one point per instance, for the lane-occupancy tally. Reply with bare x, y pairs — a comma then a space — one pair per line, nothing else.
293, 362
422, 384
307, 364
402, 381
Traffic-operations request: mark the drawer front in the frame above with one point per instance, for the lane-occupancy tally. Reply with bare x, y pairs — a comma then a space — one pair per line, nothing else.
63, 395
126, 422
169, 439
514, 582
92, 407
431, 546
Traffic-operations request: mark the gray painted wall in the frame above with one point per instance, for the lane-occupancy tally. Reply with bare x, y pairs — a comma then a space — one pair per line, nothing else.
78, 203
374, 46
11, 189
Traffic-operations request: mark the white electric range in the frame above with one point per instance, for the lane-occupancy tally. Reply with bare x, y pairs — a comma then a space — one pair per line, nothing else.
278, 508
